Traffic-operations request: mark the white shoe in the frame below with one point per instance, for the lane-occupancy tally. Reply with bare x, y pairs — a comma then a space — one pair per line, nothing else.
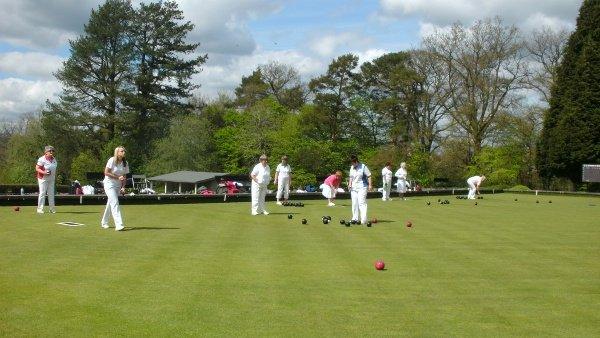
279, 203
53, 211
265, 212
119, 228
330, 204
40, 211
104, 226
254, 214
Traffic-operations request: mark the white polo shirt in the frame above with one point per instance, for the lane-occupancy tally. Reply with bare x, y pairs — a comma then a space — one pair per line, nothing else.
262, 173
401, 173
117, 169
46, 164
283, 172
475, 180
386, 174
359, 176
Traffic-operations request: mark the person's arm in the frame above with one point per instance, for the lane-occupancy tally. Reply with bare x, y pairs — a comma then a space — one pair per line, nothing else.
254, 174
275, 179
370, 183
40, 170
108, 173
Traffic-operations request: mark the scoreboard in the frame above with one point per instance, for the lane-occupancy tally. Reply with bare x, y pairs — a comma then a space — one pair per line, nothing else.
590, 173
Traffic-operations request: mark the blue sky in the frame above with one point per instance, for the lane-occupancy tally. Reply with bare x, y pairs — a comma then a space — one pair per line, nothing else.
239, 35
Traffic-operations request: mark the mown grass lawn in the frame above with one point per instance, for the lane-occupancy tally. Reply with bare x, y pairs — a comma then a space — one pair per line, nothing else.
501, 268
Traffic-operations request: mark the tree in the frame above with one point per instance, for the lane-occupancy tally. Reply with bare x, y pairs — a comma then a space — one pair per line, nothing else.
162, 69
388, 84
278, 80
96, 78
485, 66
251, 90
188, 146
24, 147
433, 100
332, 117
546, 49
571, 131
128, 74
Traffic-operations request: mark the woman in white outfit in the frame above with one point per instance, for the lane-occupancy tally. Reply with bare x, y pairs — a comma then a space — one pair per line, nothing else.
474, 183
283, 179
45, 169
261, 176
402, 174
115, 174
359, 184
386, 176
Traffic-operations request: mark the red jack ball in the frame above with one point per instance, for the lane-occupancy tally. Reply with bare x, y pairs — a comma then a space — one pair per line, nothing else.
17, 208
379, 265
408, 224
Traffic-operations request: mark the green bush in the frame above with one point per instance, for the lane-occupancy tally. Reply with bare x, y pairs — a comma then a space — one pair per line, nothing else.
502, 178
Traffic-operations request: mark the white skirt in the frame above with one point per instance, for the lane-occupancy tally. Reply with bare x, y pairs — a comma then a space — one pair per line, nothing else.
327, 191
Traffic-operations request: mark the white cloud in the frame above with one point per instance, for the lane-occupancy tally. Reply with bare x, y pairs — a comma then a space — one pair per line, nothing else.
327, 45
18, 96
443, 13
41, 24
221, 25
369, 55
223, 73
38, 65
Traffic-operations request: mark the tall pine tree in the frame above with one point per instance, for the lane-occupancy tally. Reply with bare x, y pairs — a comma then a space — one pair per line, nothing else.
571, 132
129, 73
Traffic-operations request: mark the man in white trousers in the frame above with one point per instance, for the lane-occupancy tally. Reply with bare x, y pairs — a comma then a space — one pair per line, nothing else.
261, 176
359, 184
474, 183
402, 174
283, 179
45, 169
386, 176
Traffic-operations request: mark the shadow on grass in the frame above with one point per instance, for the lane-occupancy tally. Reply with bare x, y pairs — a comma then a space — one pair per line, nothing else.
78, 212
148, 228
284, 213
385, 221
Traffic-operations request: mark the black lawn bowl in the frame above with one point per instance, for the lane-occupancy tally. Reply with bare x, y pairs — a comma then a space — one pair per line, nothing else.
304, 221
369, 224
290, 216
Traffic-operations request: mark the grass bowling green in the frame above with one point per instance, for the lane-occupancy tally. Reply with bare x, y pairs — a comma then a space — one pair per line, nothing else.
503, 267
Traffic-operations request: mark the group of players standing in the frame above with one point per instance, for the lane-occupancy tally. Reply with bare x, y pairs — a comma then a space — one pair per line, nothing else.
359, 183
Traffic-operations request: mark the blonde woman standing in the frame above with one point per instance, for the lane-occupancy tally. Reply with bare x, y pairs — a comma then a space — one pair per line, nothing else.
402, 174
115, 174
45, 169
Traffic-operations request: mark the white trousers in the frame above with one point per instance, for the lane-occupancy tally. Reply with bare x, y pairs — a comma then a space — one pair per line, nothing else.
283, 188
46, 188
472, 190
112, 206
258, 193
359, 205
402, 186
387, 188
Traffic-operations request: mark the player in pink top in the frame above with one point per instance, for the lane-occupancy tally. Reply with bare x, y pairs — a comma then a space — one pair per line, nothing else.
330, 186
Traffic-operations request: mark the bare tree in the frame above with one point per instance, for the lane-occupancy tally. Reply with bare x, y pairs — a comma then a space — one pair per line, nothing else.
546, 48
284, 84
430, 118
484, 66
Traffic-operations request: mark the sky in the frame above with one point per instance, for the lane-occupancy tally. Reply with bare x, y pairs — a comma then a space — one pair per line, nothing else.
240, 35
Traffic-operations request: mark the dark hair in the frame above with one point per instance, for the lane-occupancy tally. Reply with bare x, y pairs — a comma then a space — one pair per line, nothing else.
353, 158
388, 163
